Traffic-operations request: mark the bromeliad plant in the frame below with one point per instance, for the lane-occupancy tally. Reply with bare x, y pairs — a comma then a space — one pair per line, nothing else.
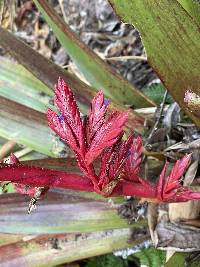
97, 137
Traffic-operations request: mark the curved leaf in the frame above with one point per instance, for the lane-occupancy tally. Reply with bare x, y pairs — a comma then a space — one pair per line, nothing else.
193, 8
73, 213
172, 42
95, 70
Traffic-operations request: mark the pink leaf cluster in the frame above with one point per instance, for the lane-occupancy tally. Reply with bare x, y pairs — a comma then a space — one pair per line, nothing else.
98, 137
97, 134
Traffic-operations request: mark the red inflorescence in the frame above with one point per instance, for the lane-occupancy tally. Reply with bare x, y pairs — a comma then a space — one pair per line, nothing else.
98, 137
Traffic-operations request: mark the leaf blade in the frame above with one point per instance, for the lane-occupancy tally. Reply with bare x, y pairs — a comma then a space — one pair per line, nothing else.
168, 24
19, 123
98, 73
74, 214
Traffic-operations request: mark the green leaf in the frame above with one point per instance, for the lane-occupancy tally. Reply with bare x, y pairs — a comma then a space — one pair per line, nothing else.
106, 261
48, 72
193, 8
156, 93
43, 69
74, 213
52, 250
178, 260
19, 85
27, 127
8, 188
150, 257
8, 239
172, 42
95, 70
33, 155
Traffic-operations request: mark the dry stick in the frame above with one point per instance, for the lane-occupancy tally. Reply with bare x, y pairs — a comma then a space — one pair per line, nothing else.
12, 11
153, 131
142, 58
62, 10
153, 208
1, 11
6, 148
21, 153
158, 119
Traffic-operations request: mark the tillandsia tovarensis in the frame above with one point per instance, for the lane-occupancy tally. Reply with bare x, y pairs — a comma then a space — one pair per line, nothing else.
98, 136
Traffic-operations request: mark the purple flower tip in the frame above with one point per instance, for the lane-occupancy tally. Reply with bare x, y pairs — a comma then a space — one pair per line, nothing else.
61, 117
106, 102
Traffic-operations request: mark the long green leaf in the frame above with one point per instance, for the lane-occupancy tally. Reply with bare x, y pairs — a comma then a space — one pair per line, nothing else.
52, 250
18, 75
19, 85
156, 92
178, 260
9, 239
33, 155
172, 42
95, 70
73, 214
193, 8
150, 257
27, 127
47, 72
43, 69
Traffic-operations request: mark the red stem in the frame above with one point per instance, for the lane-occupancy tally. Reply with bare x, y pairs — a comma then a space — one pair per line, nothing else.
40, 177
127, 188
